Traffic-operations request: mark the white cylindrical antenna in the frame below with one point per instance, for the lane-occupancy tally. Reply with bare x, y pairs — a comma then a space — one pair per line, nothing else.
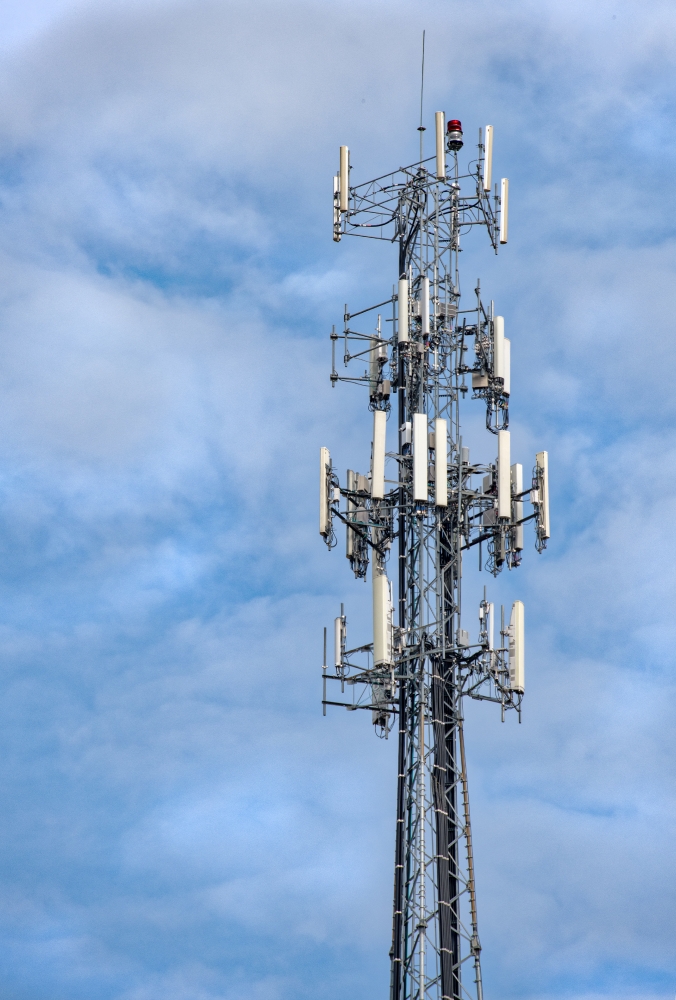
516, 648
344, 179
498, 347
338, 641
491, 626
382, 617
420, 455
440, 462
504, 209
378, 457
506, 365
504, 486
440, 123
402, 301
425, 306
324, 474
542, 463
488, 158
517, 487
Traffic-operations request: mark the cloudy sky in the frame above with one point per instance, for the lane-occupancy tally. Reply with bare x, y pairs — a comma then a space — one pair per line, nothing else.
178, 820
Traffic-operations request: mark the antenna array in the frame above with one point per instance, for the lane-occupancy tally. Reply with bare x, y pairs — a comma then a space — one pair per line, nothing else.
436, 505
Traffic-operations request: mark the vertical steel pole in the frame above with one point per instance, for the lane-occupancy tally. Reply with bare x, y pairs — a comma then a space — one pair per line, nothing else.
396, 976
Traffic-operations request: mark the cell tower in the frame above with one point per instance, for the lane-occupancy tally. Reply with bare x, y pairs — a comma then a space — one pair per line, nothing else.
437, 505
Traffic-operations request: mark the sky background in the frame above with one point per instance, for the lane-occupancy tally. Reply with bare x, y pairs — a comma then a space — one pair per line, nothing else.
178, 820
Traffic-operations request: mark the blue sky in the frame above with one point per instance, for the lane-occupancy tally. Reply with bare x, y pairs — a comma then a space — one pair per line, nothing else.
178, 820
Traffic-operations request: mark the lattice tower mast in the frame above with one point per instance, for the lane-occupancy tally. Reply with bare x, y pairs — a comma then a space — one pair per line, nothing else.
436, 504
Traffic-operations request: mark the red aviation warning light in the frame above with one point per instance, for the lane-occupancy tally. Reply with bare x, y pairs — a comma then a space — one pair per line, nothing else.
454, 135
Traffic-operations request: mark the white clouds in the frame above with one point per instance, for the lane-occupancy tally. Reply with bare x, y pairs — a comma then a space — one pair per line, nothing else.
173, 805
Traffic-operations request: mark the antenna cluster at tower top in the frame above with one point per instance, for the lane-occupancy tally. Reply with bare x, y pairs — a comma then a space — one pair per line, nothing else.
351, 204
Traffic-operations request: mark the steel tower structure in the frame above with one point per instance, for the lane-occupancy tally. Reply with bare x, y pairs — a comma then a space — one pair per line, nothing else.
435, 505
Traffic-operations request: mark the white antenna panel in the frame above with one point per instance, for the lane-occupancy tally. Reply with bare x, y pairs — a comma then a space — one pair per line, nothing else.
344, 178
425, 306
491, 626
488, 158
498, 347
382, 618
504, 486
517, 487
542, 463
516, 648
504, 209
338, 641
441, 462
506, 365
420, 451
403, 309
440, 123
378, 457
324, 470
